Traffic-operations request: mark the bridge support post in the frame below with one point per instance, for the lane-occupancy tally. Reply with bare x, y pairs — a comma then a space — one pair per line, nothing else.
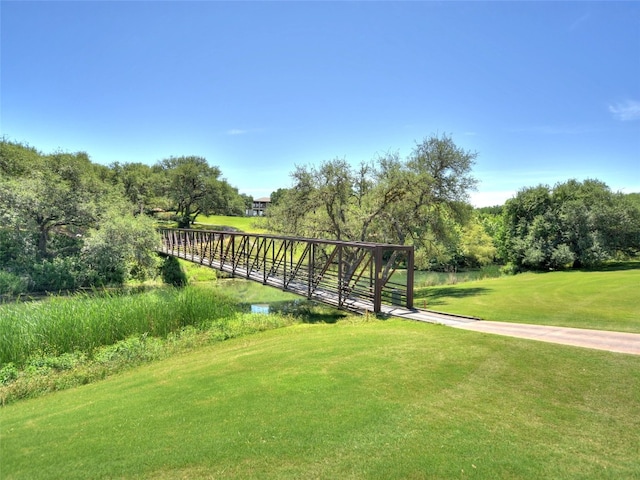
311, 265
410, 267
377, 280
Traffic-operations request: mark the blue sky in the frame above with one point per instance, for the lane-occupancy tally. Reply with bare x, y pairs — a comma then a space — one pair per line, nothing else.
542, 91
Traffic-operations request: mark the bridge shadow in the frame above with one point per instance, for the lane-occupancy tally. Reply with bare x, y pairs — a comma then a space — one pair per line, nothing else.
440, 295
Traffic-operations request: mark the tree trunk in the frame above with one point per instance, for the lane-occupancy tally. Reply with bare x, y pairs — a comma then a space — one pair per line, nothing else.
43, 238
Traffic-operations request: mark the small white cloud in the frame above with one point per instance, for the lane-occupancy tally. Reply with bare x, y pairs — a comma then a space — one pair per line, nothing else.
626, 111
236, 131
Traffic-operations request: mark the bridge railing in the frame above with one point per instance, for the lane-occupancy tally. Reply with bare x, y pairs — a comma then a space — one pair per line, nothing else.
352, 275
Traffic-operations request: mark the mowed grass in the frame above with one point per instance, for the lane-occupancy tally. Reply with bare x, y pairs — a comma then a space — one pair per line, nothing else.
357, 399
244, 224
604, 300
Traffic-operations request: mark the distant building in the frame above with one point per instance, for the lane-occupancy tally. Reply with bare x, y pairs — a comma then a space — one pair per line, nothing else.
260, 206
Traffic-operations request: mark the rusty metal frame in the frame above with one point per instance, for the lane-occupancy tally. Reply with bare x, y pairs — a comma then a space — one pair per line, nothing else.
351, 275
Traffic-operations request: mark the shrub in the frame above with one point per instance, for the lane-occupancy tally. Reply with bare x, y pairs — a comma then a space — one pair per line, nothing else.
172, 273
8, 373
509, 269
55, 275
561, 256
122, 247
17, 249
11, 284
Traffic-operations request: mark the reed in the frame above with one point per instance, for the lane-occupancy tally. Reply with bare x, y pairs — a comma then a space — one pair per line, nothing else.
85, 322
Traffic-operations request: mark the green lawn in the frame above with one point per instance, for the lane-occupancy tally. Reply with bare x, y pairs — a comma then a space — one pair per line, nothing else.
244, 224
606, 300
359, 399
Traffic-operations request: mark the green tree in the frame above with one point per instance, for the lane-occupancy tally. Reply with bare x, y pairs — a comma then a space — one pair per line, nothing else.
62, 192
385, 200
193, 186
277, 195
227, 200
575, 223
247, 202
142, 184
17, 159
121, 247
65, 224
476, 244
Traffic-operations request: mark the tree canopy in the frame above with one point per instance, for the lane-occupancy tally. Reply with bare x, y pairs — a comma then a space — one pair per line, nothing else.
67, 222
574, 223
390, 200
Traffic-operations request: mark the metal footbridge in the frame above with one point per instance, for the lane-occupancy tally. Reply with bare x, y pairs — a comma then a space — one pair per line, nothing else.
356, 276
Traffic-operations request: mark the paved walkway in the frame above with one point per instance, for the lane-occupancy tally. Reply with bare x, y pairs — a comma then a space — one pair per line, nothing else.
579, 337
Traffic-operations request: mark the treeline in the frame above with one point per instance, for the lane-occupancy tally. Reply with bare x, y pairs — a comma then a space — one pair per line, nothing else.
66, 222
572, 224
422, 201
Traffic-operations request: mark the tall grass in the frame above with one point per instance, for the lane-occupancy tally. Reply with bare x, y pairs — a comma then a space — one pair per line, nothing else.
82, 323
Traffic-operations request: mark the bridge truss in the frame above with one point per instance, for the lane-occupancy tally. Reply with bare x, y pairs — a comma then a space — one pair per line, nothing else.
350, 275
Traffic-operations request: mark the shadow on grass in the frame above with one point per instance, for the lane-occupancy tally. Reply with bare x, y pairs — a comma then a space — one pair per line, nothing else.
604, 267
612, 267
439, 295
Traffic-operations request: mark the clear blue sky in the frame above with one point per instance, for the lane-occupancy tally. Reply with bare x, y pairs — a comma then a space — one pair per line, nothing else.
542, 91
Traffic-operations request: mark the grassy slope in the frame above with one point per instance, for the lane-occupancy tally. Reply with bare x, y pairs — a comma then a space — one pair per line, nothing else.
607, 300
372, 400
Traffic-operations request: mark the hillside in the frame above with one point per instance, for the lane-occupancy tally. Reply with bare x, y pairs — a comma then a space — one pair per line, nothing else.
357, 399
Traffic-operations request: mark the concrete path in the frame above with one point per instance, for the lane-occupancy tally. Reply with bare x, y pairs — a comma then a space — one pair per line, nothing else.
579, 337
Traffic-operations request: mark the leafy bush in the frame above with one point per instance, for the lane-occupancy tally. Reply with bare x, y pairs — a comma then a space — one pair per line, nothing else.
17, 249
11, 284
66, 361
122, 247
509, 269
132, 349
8, 373
172, 273
561, 256
578, 224
55, 275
